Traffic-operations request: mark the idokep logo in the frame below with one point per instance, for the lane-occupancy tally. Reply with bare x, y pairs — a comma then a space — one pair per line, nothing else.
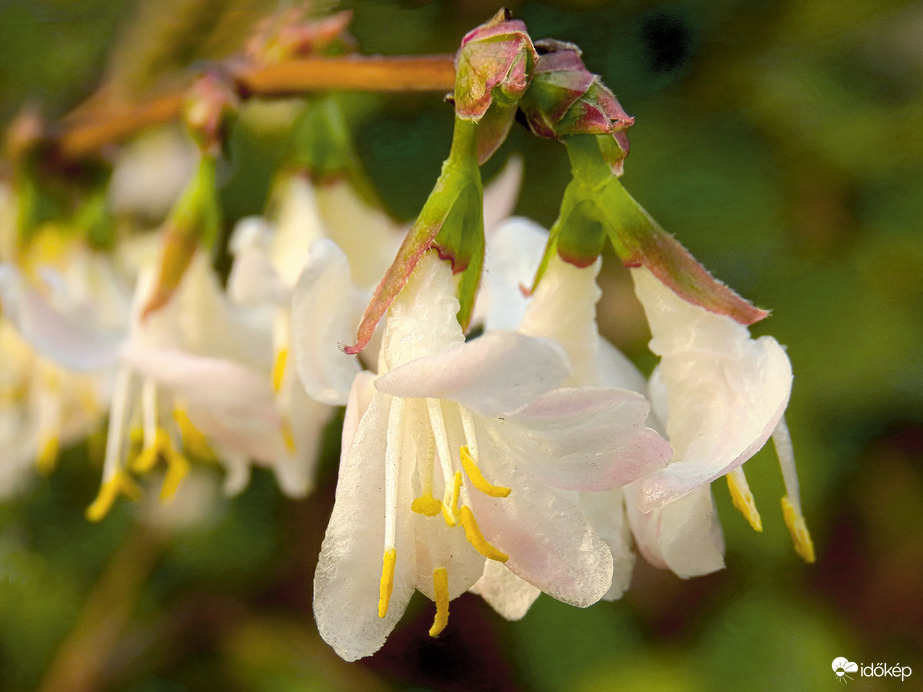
842, 667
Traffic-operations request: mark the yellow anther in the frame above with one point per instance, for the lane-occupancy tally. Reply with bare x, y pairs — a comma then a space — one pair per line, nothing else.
177, 468
288, 436
450, 504
427, 505
476, 538
477, 478
278, 369
136, 437
193, 439
387, 581
47, 457
148, 457
441, 587
120, 483
801, 537
743, 498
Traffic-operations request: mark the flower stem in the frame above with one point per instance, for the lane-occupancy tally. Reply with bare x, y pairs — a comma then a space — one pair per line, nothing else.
92, 126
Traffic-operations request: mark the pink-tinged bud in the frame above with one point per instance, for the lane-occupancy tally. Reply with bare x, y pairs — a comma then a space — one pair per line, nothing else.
494, 63
288, 34
565, 98
209, 104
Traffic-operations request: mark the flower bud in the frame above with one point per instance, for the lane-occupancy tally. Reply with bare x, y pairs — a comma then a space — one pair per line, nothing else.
495, 61
208, 106
567, 99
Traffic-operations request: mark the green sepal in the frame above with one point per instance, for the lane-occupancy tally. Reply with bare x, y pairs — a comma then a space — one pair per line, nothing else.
461, 240
95, 222
451, 202
194, 221
640, 241
322, 144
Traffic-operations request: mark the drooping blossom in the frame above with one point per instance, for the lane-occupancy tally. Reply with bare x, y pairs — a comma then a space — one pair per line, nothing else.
411, 512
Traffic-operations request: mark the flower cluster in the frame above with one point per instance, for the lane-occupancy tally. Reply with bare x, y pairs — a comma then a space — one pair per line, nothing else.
493, 441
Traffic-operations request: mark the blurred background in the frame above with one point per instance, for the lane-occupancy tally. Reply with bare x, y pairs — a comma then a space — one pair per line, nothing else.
781, 142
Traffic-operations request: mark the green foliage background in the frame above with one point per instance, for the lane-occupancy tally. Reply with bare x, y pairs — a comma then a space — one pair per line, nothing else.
781, 142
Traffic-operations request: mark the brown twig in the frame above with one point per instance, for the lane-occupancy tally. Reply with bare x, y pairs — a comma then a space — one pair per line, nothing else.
93, 127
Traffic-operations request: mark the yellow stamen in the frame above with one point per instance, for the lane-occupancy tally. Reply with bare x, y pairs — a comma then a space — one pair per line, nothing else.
120, 483
193, 439
278, 369
148, 457
450, 508
797, 527
477, 478
177, 468
476, 538
47, 457
427, 505
288, 436
136, 437
387, 581
441, 587
743, 498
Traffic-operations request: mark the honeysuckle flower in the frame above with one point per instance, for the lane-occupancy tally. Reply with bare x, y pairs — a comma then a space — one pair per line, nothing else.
437, 516
683, 535
723, 394
303, 248
194, 378
68, 310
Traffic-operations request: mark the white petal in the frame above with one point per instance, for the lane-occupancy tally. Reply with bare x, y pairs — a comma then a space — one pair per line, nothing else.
684, 536
493, 374
346, 584
422, 319
584, 439
548, 540
438, 545
725, 391
606, 514
253, 280
307, 419
298, 223
324, 316
564, 309
504, 591
68, 339
365, 233
514, 251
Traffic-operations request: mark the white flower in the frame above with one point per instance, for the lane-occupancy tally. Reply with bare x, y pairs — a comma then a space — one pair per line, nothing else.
722, 395
436, 515
194, 377
64, 315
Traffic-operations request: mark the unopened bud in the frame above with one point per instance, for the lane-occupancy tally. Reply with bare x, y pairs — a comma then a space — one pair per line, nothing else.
495, 62
288, 34
565, 98
210, 103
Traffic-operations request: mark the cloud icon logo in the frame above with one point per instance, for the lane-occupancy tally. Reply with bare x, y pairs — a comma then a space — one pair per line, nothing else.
842, 666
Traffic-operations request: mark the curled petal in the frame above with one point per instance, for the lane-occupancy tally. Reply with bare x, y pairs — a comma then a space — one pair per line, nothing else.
684, 536
548, 540
494, 374
606, 513
253, 280
346, 584
585, 439
725, 392
324, 312
65, 338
